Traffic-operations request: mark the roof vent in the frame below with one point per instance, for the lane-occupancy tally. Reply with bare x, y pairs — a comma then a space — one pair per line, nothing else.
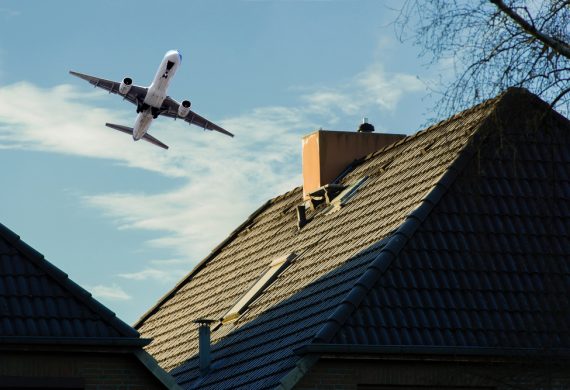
365, 127
324, 194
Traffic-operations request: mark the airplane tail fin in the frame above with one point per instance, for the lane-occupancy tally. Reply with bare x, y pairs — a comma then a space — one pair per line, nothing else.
129, 130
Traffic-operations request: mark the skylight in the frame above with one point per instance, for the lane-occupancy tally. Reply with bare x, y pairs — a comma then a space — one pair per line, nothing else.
264, 280
345, 196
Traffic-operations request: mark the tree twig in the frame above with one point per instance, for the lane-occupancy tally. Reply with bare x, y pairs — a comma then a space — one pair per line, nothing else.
554, 44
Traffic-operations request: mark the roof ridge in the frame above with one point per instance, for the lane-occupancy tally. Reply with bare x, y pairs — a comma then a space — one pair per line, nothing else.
285, 194
419, 133
397, 240
61, 278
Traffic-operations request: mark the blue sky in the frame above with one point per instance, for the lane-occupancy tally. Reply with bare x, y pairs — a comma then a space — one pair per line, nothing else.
127, 220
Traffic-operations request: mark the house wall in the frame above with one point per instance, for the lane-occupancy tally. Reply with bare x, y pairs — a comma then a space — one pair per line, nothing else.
93, 370
347, 374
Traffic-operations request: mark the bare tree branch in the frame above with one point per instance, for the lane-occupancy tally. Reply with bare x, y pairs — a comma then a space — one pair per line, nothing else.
482, 47
554, 44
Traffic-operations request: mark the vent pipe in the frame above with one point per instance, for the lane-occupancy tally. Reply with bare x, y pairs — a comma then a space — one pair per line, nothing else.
204, 344
301, 216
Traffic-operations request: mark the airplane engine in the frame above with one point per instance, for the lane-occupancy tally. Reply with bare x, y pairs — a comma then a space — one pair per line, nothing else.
125, 86
184, 109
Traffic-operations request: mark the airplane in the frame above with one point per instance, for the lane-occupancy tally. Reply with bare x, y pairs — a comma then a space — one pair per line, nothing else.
152, 101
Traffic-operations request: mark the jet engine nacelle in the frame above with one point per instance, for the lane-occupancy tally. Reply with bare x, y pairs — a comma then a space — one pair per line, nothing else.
125, 86
184, 109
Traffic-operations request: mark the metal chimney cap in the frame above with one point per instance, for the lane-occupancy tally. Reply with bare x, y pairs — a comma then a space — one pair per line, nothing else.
365, 127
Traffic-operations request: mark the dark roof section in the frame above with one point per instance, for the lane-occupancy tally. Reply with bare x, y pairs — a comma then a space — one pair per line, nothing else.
485, 262
40, 304
342, 257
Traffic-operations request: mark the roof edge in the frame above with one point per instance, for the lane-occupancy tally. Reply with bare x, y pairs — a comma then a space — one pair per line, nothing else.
509, 92
320, 349
202, 263
440, 123
65, 282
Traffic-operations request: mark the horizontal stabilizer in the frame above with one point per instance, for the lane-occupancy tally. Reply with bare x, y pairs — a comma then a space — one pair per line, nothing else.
124, 129
149, 138
129, 130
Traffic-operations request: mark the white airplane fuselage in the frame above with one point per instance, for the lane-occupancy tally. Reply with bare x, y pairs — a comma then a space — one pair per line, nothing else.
156, 92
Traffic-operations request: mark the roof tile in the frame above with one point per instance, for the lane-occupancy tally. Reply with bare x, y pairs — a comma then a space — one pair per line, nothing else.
38, 300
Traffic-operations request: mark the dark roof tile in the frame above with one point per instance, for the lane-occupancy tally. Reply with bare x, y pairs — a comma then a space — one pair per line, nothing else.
38, 301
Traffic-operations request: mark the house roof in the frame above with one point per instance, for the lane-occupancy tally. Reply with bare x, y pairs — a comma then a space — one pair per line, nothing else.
40, 304
459, 237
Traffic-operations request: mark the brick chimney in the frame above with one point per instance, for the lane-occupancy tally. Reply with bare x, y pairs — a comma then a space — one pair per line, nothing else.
327, 153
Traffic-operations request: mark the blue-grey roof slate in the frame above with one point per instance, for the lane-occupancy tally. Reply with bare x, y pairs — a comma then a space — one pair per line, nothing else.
450, 243
490, 266
40, 304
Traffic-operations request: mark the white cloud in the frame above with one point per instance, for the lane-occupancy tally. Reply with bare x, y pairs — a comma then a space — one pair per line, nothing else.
373, 88
111, 293
169, 262
60, 120
9, 13
223, 178
168, 275
386, 89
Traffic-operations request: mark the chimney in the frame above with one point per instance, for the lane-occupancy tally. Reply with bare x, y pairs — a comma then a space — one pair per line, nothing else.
204, 344
326, 154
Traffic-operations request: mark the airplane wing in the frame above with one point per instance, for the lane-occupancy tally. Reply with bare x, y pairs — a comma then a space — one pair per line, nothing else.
170, 109
135, 94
